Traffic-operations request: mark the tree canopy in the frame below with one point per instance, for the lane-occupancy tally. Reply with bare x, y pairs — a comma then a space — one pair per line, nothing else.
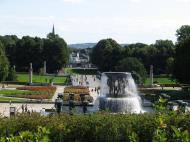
182, 62
106, 54
35, 50
4, 64
55, 53
183, 33
182, 57
133, 65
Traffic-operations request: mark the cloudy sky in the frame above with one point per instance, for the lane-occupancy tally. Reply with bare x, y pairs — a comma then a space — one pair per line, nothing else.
78, 21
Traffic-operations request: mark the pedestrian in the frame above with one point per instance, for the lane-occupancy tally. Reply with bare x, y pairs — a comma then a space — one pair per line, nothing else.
22, 107
26, 108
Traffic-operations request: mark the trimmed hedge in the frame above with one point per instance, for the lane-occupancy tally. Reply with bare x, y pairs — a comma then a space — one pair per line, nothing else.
98, 127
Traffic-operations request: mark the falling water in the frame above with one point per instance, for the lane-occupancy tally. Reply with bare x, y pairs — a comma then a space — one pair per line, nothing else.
119, 93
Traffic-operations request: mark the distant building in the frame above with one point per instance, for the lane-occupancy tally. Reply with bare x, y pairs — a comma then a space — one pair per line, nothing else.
77, 59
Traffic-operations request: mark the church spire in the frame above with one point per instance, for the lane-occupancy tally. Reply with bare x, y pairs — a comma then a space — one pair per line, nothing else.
53, 30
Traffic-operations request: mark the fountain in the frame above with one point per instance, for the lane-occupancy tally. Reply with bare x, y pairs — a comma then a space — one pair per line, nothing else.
119, 93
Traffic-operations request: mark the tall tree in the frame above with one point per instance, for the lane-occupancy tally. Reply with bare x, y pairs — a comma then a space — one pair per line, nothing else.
182, 61
29, 50
106, 54
9, 42
133, 65
4, 64
183, 33
55, 53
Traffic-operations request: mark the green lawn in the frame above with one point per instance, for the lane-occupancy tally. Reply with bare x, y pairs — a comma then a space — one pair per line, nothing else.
174, 94
161, 80
24, 77
12, 99
15, 92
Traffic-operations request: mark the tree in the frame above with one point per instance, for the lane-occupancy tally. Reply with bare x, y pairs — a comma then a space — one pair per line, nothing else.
4, 64
55, 53
182, 61
106, 54
133, 65
9, 42
169, 65
183, 33
12, 75
166, 49
29, 50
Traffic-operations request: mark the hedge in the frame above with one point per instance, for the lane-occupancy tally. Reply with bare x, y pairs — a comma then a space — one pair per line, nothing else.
97, 127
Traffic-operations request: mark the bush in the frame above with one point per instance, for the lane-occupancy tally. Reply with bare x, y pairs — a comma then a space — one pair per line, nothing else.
98, 127
11, 75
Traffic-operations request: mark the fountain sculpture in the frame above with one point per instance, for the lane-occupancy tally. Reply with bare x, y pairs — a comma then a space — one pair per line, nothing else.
119, 93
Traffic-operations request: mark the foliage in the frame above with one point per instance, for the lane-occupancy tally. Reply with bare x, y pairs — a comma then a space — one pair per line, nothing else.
4, 64
23, 77
12, 75
183, 33
30, 49
35, 50
97, 127
155, 54
27, 136
182, 61
106, 54
132, 65
55, 53
9, 42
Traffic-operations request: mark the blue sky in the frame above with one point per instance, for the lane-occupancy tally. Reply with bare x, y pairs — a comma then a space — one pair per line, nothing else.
77, 21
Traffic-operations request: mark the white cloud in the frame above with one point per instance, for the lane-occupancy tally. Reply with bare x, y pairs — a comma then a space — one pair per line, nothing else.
135, 1
73, 1
183, 0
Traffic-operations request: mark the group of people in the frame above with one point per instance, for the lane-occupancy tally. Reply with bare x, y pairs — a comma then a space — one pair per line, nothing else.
25, 108
96, 89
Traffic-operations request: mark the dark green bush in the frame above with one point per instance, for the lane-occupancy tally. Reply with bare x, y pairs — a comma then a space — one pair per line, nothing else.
98, 127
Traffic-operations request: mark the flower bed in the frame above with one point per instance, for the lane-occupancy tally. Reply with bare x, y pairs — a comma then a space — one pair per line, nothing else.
45, 92
76, 90
31, 92
77, 98
33, 96
50, 89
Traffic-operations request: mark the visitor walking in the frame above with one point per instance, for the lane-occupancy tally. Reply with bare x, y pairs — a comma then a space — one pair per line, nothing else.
26, 108
22, 107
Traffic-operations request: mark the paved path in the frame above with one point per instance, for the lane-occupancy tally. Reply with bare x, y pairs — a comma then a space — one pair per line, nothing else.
5, 107
59, 89
87, 80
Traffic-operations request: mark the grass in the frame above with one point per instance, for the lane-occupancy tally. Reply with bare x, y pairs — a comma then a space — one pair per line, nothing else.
15, 91
174, 94
81, 71
24, 77
12, 99
161, 80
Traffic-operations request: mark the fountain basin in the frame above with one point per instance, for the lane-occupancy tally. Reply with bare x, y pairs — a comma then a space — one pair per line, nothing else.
119, 93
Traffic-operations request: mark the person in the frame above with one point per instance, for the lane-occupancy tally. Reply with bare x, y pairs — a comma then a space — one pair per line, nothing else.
26, 108
22, 107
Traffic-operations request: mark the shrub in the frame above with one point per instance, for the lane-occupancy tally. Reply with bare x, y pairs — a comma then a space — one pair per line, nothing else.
101, 126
